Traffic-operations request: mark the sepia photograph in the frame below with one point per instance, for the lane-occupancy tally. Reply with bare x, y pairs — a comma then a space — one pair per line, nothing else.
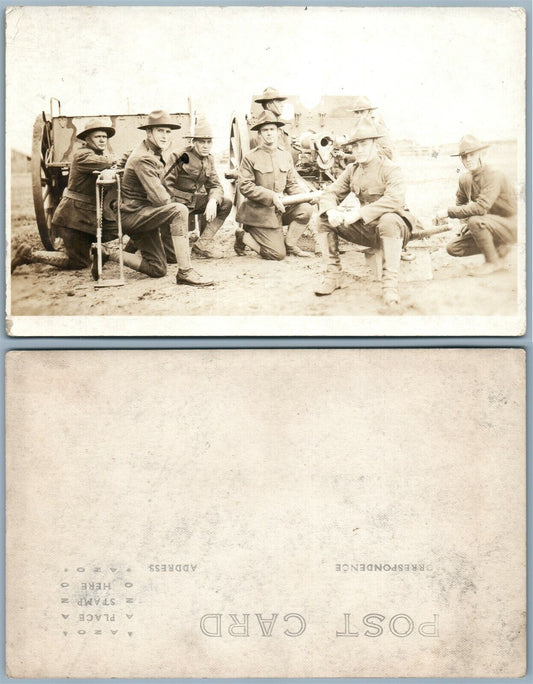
369, 520
265, 171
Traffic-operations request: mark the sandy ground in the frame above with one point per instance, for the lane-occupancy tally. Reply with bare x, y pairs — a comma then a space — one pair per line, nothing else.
251, 286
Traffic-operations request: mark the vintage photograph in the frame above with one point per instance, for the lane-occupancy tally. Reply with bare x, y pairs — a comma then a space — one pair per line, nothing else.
367, 521
265, 171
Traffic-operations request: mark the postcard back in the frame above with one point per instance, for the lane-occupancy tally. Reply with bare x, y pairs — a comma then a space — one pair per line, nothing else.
282, 513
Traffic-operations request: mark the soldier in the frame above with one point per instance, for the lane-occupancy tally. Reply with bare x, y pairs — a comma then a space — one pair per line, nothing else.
75, 217
381, 221
272, 101
364, 111
192, 180
147, 206
486, 201
264, 175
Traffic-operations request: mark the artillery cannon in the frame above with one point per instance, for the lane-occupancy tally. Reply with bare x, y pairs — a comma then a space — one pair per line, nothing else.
316, 138
53, 146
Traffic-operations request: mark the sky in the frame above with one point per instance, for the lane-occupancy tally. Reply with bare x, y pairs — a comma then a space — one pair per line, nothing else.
435, 73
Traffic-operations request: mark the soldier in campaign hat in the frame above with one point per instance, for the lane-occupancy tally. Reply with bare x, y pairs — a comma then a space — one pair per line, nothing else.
486, 203
365, 111
75, 217
192, 179
265, 175
381, 221
148, 210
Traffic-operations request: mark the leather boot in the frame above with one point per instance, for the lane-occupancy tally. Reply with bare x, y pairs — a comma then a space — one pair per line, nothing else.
391, 253
186, 274
294, 233
493, 261
21, 256
331, 280
201, 247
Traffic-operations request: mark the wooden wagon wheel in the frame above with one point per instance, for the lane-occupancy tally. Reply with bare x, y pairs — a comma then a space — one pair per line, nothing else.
239, 145
46, 181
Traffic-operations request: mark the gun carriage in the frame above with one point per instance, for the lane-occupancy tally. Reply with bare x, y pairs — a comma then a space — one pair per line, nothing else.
53, 146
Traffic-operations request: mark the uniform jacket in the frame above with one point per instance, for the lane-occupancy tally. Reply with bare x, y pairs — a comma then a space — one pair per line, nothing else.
485, 191
143, 192
80, 214
262, 174
378, 186
188, 175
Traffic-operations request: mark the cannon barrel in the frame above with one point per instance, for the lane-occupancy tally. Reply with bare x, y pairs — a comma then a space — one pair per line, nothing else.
301, 197
314, 141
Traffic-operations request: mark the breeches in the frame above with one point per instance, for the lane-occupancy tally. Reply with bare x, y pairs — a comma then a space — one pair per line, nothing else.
502, 229
369, 234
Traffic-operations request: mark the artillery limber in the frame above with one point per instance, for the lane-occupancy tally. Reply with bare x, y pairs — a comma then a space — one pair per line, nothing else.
54, 144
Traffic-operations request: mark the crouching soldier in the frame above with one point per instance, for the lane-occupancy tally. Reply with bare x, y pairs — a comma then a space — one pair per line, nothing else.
75, 217
265, 174
487, 202
192, 180
381, 221
148, 209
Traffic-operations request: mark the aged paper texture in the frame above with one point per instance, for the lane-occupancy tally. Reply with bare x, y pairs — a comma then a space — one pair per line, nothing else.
266, 513
430, 75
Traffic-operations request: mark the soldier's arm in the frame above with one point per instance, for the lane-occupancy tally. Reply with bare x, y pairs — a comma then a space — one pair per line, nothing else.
87, 160
213, 185
393, 199
148, 171
488, 194
248, 187
336, 192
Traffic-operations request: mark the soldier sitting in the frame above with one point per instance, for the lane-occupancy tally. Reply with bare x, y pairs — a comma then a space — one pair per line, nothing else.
265, 174
382, 221
192, 179
487, 203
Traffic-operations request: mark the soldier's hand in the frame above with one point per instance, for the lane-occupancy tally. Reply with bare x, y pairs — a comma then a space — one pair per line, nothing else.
440, 217
335, 217
351, 216
278, 203
211, 210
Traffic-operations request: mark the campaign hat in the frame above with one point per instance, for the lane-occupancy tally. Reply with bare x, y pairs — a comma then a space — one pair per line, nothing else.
269, 94
468, 144
265, 118
95, 125
159, 118
365, 131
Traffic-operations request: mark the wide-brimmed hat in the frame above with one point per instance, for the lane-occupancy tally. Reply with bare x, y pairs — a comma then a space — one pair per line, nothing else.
96, 125
201, 129
468, 144
265, 118
159, 118
269, 94
362, 103
364, 131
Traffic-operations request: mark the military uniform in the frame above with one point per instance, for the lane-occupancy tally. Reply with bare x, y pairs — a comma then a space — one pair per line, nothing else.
147, 207
193, 181
263, 173
75, 217
380, 189
487, 202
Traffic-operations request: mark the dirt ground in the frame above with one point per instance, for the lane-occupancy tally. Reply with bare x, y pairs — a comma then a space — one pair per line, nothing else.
251, 286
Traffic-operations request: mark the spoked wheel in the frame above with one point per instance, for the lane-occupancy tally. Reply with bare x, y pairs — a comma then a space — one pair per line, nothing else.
47, 183
239, 145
